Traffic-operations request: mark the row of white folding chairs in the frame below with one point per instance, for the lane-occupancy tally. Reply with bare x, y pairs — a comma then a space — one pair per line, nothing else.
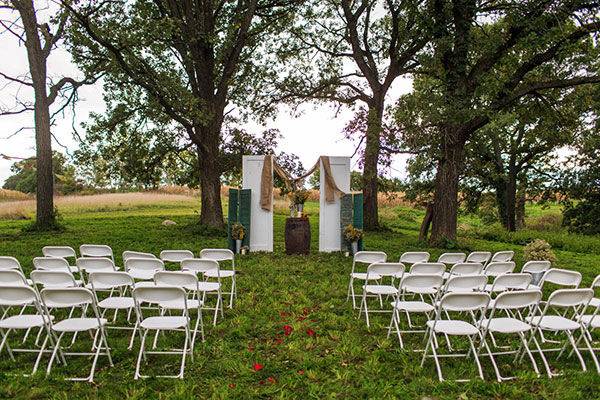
49, 300
483, 257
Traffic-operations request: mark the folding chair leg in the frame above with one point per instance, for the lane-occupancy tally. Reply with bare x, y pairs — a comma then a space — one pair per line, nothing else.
140, 354
185, 347
590, 349
39, 357
572, 341
529, 354
476, 356
233, 289
437, 363
5, 343
541, 353
135, 329
53, 356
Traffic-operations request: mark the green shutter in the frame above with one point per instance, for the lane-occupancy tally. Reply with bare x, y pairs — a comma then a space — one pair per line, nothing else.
346, 217
244, 213
357, 219
232, 215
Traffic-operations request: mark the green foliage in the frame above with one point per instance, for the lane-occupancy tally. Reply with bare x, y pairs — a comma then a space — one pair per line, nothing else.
487, 210
538, 250
24, 176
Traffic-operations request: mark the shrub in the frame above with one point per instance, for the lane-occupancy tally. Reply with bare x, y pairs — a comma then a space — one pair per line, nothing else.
487, 211
538, 250
583, 217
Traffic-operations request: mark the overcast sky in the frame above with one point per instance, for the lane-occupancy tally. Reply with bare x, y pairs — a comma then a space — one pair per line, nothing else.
317, 131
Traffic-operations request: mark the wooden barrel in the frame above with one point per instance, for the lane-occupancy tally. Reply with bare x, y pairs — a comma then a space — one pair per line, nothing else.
297, 236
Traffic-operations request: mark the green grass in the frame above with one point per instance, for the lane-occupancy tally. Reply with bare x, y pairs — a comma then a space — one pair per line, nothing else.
343, 360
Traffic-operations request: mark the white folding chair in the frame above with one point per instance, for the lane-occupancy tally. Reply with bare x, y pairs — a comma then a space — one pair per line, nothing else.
53, 299
467, 303
381, 270
503, 256
189, 282
427, 268
414, 285
219, 255
175, 256
461, 269
96, 250
120, 284
561, 277
23, 296
12, 277
65, 252
362, 257
536, 269
499, 268
146, 324
514, 305
54, 264
595, 302
413, 257
452, 258
199, 266
481, 257
562, 313
9, 263
592, 320
143, 269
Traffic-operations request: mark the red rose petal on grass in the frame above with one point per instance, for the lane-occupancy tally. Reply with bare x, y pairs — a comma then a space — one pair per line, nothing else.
278, 340
287, 330
261, 382
271, 380
310, 332
257, 367
300, 372
232, 385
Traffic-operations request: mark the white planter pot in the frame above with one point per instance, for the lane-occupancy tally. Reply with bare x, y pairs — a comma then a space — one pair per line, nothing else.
354, 246
238, 246
300, 208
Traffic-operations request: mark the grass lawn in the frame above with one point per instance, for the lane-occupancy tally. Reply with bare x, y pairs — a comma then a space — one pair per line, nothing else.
340, 358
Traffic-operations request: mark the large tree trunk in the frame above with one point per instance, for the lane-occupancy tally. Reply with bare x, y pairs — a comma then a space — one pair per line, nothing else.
37, 67
445, 199
511, 202
371, 161
424, 230
500, 189
211, 209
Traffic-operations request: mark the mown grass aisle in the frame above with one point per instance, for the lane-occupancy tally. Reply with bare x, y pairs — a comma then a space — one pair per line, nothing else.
291, 333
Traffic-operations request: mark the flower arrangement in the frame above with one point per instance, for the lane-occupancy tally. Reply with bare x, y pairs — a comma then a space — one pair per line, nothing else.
352, 234
299, 196
238, 232
538, 250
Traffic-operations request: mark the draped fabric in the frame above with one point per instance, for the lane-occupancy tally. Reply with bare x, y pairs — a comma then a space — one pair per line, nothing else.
270, 166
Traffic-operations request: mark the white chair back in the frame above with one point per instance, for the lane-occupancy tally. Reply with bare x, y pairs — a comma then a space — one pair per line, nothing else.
127, 254
183, 279
176, 256
96, 250
596, 282
465, 283
59, 251
464, 301
217, 254
199, 265
14, 296
452, 258
466, 269
481, 257
95, 264
503, 256
157, 295
512, 282
421, 283
497, 268
413, 257
428, 268
12, 277
565, 298
147, 264
385, 269
517, 300
369, 257
561, 277
536, 266
110, 279
51, 264
53, 279
7, 262
66, 297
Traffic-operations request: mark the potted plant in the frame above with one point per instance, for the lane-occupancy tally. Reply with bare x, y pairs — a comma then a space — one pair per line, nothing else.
298, 198
352, 236
238, 232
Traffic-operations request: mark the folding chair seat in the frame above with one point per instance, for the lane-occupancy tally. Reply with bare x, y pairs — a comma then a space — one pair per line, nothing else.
175, 256
414, 257
22, 296
199, 266
462, 269
513, 305
189, 282
452, 258
502, 256
54, 264
481, 257
74, 298
381, 270
498, 268
162, 294
467, 304
508, 282
362, 257
562, 314
414, 285
220, 255
143, 269
96, 250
